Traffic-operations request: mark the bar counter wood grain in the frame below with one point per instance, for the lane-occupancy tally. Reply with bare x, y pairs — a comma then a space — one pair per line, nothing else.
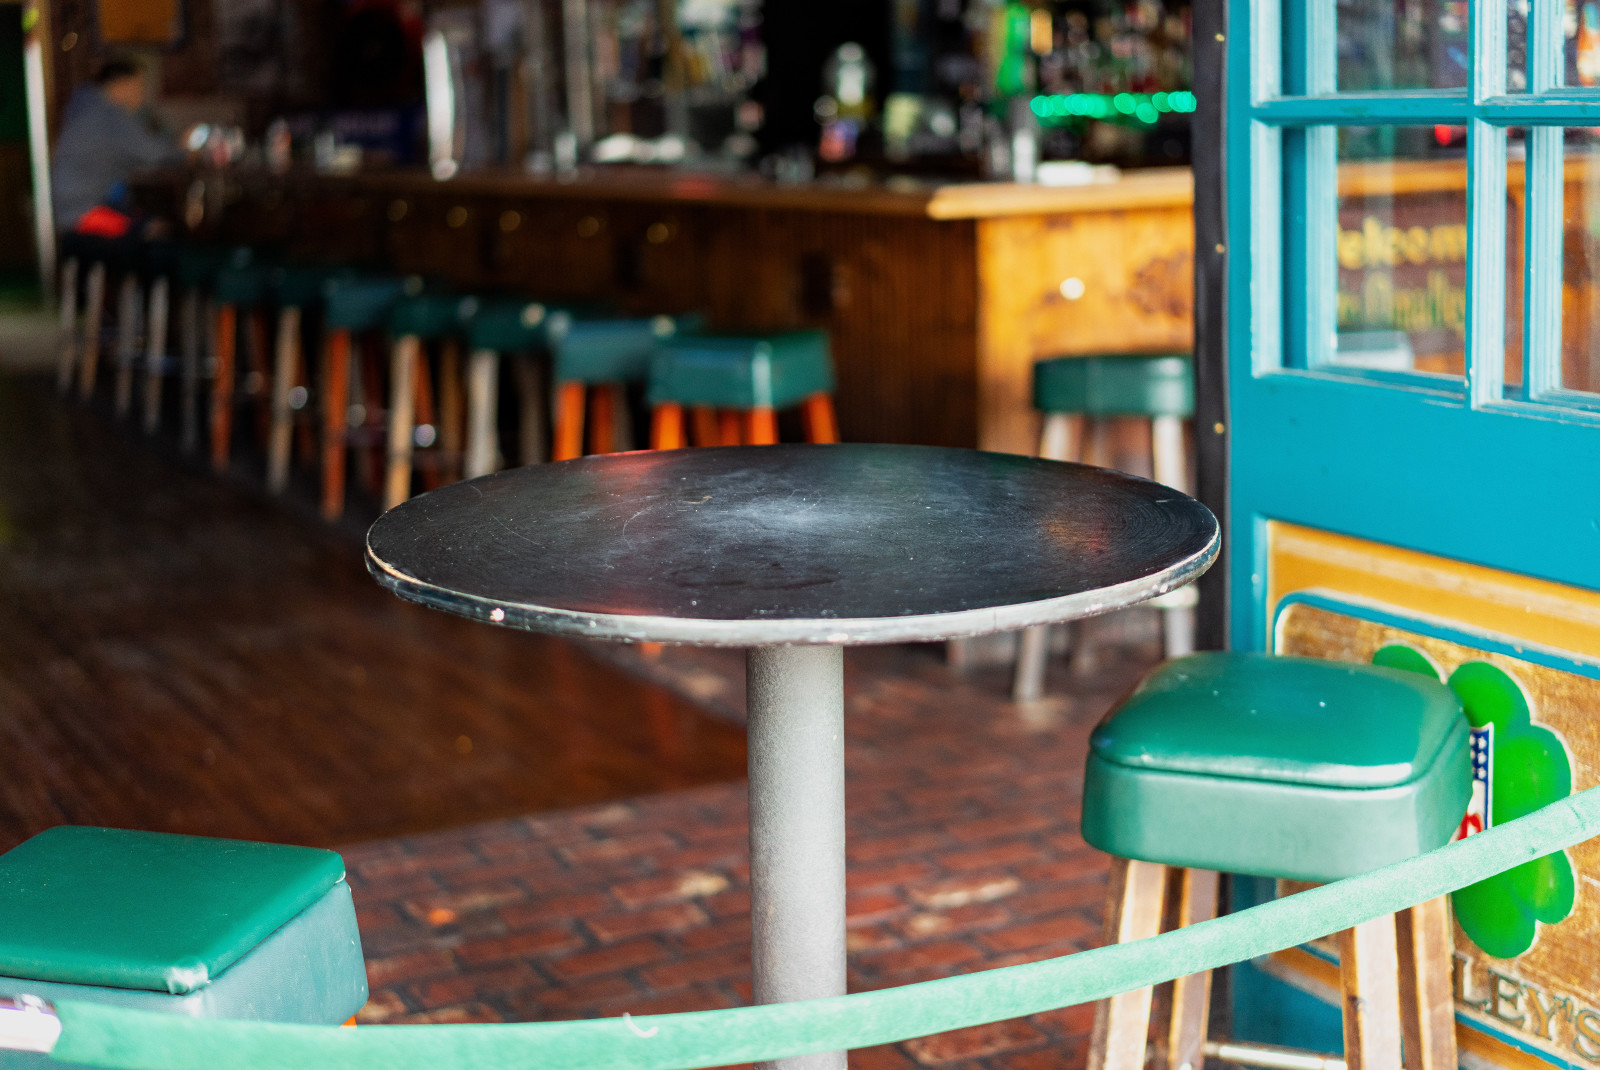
938, 298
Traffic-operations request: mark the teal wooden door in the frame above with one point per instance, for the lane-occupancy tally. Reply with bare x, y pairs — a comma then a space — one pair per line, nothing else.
1411, 352
1413, 385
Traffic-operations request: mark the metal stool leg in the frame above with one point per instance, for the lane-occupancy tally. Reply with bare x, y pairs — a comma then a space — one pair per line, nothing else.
483, 389
155, 352
285, 361
94, 300
68, 359
402, 418
127, 343
1059, 442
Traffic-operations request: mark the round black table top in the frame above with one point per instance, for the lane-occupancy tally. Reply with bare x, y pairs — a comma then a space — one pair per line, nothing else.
752, 545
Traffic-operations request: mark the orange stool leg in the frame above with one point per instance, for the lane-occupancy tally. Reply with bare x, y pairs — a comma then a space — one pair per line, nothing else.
763, 427
729, 431
666, 427
816, 413
224, 347
603, 419
569, 421
335, 417
704, 425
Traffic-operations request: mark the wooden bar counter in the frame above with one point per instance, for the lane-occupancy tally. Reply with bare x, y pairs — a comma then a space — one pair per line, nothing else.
938, 298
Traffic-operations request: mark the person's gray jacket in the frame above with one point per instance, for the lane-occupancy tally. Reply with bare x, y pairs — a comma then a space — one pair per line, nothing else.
100, 147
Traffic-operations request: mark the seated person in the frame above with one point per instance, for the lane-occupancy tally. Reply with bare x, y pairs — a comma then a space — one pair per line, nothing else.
106, 137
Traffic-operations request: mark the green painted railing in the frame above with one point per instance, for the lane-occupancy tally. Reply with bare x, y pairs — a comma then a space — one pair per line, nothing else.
111, 1037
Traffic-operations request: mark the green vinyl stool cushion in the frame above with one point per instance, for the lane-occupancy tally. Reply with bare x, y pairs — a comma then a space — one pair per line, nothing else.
1279, 767
241, 284
609, 349
363, 303
742, 372
147, 910
197, 265
507, 326
178, 925
1115, 385
431, 315
302, 286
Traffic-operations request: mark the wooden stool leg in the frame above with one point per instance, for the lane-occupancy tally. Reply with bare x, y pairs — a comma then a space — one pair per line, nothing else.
1369, 979
225, 348
763, 423
155, 353
603, 419
452, 410
1169, 459
1058, 443
483, 390
1191, 995
189, 334
703, 422
816, 413
67, 359
729, 429
285, 361
127, 344
94, 309
666, 427
402, 418
569, 421
1133, 912
532, 411
425, 414
335, 418
1427, 1009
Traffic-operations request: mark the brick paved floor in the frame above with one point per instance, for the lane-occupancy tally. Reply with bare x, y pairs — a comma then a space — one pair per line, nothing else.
963, 846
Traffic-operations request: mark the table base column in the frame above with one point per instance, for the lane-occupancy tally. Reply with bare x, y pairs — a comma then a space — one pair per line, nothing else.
796, 743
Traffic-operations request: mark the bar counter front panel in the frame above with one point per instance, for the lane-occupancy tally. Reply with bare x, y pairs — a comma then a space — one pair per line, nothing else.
938, 299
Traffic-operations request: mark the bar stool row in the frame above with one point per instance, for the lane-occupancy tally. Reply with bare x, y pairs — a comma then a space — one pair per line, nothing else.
438, 416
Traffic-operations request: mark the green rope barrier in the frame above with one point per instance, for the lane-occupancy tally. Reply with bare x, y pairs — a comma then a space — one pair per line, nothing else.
122, 1039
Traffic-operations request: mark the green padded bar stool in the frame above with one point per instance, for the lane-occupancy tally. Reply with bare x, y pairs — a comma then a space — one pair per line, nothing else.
1077, 396
239, 293
1294, 768
606, 352
294, 291
351, 307
415, 323
505, 326
195, 271
179, 925
750, 377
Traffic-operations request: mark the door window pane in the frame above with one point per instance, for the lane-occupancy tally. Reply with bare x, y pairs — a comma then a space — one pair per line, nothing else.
1580, 262
1401, 250
1402, 44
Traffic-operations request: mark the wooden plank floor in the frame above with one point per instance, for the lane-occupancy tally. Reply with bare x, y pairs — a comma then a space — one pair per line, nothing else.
178, 653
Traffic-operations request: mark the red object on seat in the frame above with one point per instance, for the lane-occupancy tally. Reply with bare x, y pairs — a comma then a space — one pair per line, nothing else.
103, 222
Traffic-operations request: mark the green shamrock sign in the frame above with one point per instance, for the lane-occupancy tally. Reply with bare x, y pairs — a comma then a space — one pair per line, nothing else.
1517, 768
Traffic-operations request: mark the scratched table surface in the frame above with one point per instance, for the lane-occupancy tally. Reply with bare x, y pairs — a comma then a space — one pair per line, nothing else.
755, 545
